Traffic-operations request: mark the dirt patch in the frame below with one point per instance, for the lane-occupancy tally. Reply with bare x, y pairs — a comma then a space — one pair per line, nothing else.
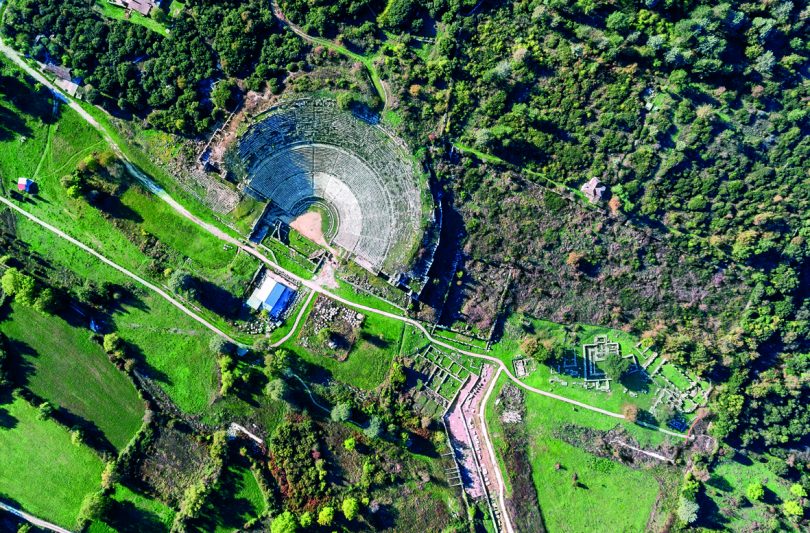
331, 329
310, 225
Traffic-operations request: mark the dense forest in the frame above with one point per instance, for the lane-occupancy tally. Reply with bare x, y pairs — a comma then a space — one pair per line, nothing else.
168, 79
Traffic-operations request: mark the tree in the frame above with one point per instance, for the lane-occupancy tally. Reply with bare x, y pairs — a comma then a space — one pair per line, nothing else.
219, 346
278, 363
614, 366
326, 516
687, 510
374, 429
798, 490
46, 302
306, 520
94, 507
755, 491
793, 508
222, 95
630, 412
112, 342
350, 444
284, 523
350, 508
19, 286
276, 389
341, 412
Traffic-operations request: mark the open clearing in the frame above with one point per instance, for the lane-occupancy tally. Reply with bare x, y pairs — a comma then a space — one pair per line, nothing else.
41, 470
61, 364
607, 492
173, 346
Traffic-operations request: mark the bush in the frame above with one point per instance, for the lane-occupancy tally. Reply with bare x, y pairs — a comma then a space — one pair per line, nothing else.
350, 444
350, 508
755, 491
687, 510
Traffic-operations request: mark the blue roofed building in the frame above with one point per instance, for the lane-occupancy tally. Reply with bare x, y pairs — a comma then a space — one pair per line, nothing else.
272, 296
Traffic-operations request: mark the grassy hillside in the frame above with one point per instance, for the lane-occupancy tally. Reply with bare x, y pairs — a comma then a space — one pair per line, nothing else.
41, 470
606, 491
172, 346
62, 365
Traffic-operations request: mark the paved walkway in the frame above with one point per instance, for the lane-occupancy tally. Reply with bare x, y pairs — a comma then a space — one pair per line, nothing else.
33, 519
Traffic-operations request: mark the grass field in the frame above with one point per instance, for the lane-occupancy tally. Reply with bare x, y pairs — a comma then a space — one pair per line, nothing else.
174, 346
41, 470
369, 359
62, 365
608, 492
134, 512
728, 483
111, 11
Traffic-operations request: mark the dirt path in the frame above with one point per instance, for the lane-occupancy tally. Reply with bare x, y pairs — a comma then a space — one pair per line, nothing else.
119, 268
375, 77
33, 519
493, 458
298, 319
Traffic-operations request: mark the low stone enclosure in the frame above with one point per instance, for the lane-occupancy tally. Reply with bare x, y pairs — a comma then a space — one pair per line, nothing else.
682, 393
440, 377
306, 152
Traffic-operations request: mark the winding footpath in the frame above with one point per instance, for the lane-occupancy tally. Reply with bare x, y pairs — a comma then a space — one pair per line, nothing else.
299, 31
119, 268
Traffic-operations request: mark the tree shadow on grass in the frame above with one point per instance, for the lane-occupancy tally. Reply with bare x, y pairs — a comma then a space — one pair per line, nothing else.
125, 517
11, 125
374, 340
225, 509
7, 421
219, 300
24, 369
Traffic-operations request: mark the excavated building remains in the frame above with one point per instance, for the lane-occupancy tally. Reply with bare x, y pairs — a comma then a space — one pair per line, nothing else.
308, 152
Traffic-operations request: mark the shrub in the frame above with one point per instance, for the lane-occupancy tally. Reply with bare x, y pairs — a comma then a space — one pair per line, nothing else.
755, 491
326, 516
350, 508
350, 444
630, 412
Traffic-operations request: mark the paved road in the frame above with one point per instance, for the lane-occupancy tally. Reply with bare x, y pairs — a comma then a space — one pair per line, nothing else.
33, 519
505, 518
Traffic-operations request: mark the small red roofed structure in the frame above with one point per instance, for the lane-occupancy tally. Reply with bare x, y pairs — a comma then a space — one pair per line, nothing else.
593, 190
24, 185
